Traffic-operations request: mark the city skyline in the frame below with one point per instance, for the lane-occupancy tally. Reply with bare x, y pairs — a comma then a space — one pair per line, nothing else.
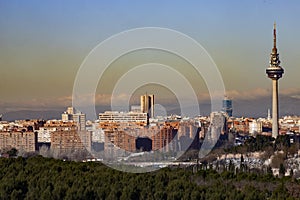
43, 45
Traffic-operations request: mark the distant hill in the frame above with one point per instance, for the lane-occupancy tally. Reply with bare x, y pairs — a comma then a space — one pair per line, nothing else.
247, 108
259, 107
41, 114
32, 114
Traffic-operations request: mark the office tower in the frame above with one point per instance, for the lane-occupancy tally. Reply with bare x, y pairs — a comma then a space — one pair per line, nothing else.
71, 114
71, 110
227, 106
65, 117
147, 105
79, 119
218, 125
274, 72
68, 114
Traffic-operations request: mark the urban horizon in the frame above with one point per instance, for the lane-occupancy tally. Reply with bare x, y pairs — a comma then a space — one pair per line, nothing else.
149, 99
48, 90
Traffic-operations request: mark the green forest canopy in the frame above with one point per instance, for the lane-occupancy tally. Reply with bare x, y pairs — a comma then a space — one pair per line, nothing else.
47, 178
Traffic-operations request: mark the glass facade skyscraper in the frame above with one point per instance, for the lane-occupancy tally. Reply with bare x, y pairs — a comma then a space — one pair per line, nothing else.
227, 106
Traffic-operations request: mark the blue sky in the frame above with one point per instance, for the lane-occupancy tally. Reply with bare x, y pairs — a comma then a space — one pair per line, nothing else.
43, 43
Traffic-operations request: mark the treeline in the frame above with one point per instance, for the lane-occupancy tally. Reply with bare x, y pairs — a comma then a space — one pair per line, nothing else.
47, 178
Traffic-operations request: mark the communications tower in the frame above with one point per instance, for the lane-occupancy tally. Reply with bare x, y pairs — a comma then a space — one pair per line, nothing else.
274, 72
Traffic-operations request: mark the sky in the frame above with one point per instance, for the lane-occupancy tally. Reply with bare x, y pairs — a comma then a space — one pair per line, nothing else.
44, 43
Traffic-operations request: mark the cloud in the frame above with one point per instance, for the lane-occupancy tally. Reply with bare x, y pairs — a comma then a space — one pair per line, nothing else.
249, 94
290, 91
236, 94
122, 99
261, 92
102, 99
297, 96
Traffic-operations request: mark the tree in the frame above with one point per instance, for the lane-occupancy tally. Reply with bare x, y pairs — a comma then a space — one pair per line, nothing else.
231, 166
242, 163
291, 172
280, 192
277, 160
268, 152
46, 178
282, 142
12, 152
281, 170
269, 170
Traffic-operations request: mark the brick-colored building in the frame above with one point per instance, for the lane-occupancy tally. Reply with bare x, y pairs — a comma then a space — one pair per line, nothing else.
120, 139
71, 140
241, 125
60, 125
163, 139
26, 141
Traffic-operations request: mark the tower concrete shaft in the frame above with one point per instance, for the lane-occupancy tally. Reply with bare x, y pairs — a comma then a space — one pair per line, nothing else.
275, 108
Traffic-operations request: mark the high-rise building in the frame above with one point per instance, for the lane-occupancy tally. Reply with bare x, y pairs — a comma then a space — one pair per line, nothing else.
68, 114
227, 106
26, 141
71, 110
72, 115
119, 139
147, 105
79, 119
71, 140
274, 72
218, 125
65, 117
165, 139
